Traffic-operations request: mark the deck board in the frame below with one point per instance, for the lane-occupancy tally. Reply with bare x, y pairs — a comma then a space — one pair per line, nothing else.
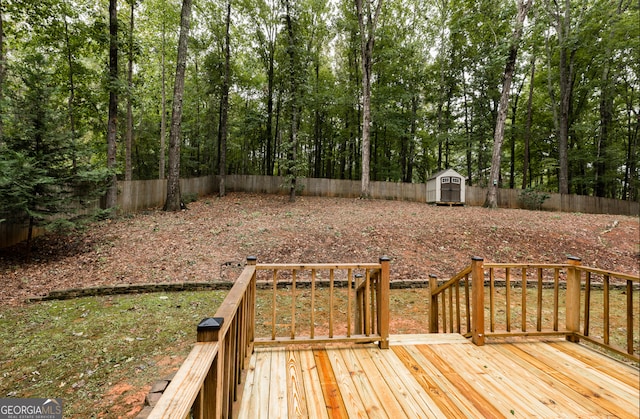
530, 384
316, 406
379, 387
491, 383
439, 376
417, 403
352, 401
297, 406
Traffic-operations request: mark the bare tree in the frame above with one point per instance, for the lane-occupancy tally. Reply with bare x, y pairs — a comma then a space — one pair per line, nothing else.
173, 202
492, 195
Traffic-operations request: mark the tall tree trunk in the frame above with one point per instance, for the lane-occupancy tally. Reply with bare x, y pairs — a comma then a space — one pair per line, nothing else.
2, 71
317, 129
173, 202
293, 145
442, 7
447, 141
606, 120
129, 140
72, 91
632, 159
195, 171
163, 117
224, 107
526, 178
563, 30
492, 194
112, 125
439, 135
631, 178
607, 93
367, 25
512, 139
412, 138
269, 152
277, 139
468, 131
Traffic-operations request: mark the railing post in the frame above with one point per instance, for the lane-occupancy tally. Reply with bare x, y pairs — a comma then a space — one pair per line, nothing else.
573, 299
477, 303
251, 332
383, 303
433, 304
210, 403
360, 306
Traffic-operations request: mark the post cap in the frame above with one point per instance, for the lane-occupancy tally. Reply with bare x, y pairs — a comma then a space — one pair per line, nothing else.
433, 276
251, 259
385, 259
477, 258
576, 258
210, 323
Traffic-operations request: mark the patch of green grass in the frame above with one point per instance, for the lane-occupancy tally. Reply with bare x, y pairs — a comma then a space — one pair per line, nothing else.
79, 349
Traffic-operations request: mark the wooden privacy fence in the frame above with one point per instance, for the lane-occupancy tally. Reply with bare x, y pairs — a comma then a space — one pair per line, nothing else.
138, 195
417, 192
539, 300
209, 382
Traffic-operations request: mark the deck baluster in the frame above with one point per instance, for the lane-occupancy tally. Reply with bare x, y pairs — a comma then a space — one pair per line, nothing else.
433, 304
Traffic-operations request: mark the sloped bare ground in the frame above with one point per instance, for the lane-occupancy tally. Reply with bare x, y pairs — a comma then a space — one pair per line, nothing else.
198, 244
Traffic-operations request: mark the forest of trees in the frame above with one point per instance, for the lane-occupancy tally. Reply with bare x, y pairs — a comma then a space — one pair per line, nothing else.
275, 87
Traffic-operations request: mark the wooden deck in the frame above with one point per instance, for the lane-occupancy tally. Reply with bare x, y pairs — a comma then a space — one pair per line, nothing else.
440, 375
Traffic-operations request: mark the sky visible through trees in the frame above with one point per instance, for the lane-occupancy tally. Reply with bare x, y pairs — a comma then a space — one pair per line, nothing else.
294, 105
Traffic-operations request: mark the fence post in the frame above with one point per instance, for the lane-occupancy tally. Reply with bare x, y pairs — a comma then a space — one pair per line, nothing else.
433, 304
209, 404
573, 299
383, 302
477, 303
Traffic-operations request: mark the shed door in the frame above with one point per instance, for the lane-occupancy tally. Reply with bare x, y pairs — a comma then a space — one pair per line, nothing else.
450, 189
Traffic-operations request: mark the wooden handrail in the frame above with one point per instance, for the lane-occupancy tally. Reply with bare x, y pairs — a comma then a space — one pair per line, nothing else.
619, 275
180, 396
579, 322
455, 279
207, 385
316, 266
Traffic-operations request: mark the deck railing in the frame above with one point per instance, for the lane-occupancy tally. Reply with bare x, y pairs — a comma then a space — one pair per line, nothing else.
353, 300
209, 382
207, 385
538, 300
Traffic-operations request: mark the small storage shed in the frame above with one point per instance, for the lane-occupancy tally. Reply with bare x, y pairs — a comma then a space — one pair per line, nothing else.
446, 187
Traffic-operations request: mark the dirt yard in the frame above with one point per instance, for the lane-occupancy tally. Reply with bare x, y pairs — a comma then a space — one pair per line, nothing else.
204, 242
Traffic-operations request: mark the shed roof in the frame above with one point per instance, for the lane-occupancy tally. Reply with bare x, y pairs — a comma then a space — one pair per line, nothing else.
435, 175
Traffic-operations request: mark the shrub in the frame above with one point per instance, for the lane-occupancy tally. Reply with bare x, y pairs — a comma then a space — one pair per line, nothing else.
532, 199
